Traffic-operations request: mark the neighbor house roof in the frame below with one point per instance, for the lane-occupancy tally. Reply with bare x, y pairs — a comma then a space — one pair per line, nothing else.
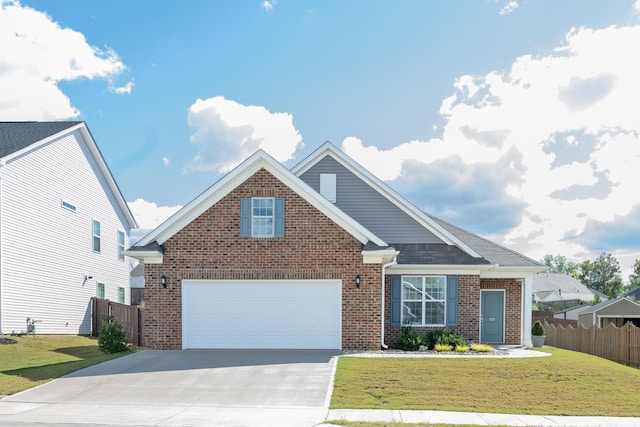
566, 286
14, 136
17, 138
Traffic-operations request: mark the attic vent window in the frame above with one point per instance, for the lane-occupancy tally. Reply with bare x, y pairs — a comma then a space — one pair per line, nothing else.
328, 186
68, 205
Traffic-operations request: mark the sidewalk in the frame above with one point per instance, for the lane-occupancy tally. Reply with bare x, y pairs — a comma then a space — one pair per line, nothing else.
457, 418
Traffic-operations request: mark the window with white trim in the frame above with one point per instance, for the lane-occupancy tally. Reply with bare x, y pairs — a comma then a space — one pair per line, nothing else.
424, 300
121, 245
96, 236
100, 290
262, 216
120, 295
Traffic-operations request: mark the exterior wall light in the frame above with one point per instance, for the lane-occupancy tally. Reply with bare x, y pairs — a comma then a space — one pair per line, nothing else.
163, 280
358, 281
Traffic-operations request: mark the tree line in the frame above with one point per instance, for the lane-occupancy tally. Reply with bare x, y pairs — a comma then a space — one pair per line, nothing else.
602, 274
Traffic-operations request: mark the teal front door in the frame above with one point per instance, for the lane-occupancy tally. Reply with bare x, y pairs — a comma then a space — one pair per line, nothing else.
492, 316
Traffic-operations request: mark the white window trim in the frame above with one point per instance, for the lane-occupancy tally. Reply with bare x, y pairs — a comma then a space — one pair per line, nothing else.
328, 183
121, 247
424, 301
104, 291
124, 295
93, 235
272, 216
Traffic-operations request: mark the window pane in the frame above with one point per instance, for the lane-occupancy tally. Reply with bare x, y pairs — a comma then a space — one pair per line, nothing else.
96, 227
412, 312
121, 295
100, 290
120, 238
263, 226
434, 291
412, 288
96, 244
434, 313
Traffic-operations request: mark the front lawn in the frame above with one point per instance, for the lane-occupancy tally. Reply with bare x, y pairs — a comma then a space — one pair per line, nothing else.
567, 383
39, 359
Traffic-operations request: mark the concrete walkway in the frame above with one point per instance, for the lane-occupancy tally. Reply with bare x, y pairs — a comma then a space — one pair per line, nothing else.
457, 418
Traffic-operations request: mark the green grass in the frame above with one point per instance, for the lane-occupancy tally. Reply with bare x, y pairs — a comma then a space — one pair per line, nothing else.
567, 383
37, 360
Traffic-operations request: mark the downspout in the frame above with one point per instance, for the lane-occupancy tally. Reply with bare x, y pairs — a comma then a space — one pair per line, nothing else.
384, 267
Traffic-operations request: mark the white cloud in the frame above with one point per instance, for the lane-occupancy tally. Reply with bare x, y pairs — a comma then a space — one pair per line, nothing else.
36, 54
509, 7
268, 6
123, 89
564, 124
166, 161
149, 215
636, 6
227, 132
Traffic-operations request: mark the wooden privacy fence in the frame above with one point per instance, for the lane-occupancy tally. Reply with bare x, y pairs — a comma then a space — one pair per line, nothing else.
621, 345
130, 317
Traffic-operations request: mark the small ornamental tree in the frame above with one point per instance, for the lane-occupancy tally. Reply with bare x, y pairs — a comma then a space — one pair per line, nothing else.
111, 337
537, 330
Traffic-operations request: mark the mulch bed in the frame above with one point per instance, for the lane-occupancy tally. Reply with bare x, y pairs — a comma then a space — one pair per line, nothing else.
4, 340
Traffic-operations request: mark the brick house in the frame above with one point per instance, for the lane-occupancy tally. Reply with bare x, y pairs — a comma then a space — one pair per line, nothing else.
324, 255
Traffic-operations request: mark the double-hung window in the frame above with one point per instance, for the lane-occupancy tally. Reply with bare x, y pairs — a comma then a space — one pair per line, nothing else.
96, 236
100, 290
424, 300
262, 216
121, 295
121, 245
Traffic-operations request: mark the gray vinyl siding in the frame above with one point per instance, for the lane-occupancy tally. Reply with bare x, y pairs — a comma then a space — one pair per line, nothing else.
371, 209
46, 249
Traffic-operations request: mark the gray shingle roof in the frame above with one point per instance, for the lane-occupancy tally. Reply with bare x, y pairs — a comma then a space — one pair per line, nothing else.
434, 254
492, 252
15, 136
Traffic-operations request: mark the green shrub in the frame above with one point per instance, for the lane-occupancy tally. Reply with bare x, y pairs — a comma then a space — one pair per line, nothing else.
111, 337
537, 330
443, 336
409, 340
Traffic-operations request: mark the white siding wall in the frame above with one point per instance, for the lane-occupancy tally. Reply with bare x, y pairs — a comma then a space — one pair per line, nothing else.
46, 250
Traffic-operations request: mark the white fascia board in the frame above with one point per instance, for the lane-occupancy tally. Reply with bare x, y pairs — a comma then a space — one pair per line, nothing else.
147, 257
484, 271
377, 184
379, 256
259, 160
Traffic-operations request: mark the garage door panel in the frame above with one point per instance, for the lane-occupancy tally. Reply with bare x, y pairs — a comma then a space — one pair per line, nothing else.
262, 314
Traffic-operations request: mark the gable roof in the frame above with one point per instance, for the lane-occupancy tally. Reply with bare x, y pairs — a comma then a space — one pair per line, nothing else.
328, 149
259, 160
604, 304
494, 253
14, 136
567, 287
17, 138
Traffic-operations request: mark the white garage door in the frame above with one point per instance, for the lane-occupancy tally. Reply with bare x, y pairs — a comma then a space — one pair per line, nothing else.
262, 314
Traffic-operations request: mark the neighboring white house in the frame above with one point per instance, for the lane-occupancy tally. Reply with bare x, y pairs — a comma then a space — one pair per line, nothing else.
550, 288
64, 226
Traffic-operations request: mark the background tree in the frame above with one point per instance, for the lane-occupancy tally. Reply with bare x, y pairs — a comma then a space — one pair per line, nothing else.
603, 275
559, 264
634, 277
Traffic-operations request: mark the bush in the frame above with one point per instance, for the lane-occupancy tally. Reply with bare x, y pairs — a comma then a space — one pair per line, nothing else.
537, 330
409, 340
462, 348
111, 337
443, 347
482, 348
445, 337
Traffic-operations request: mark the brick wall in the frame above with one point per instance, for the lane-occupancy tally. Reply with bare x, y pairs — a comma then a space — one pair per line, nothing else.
314, 247
469, 309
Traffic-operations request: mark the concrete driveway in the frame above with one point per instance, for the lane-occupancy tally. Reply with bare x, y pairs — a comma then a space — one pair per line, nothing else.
190, 387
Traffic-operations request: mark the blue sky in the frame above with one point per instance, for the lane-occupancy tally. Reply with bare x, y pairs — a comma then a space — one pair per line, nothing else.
514, 119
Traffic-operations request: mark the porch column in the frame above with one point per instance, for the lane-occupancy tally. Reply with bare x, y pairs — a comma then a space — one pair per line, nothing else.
527, 292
